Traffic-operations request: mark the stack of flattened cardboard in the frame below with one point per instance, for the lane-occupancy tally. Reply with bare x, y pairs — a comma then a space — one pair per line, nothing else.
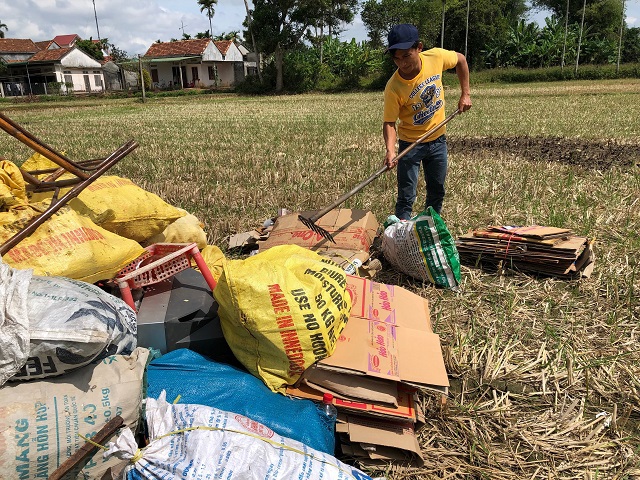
546, 250
385, 353
352, 230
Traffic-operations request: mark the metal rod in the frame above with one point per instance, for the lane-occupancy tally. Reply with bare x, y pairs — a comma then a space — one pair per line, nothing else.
34, 223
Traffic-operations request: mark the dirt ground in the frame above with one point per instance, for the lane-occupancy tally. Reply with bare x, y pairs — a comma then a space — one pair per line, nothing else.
596, 154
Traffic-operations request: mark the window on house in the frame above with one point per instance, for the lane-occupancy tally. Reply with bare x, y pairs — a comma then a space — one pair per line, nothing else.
154, 75
98, 80
68, 79
212, 72
194, 73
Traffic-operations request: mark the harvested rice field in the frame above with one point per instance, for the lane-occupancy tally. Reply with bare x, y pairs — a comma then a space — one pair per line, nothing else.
545, 373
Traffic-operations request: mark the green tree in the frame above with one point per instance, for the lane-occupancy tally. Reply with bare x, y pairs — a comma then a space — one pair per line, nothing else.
207, 6
379, 16
603, 16
233, 35
90, 48
278, 25
205, 34
489, 21
117, 54
3, 27
631, 45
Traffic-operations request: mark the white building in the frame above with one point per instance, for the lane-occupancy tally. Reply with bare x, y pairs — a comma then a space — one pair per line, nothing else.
195, 63
32, 70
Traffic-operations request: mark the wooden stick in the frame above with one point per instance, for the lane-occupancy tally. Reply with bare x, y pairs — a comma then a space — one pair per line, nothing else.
105, 432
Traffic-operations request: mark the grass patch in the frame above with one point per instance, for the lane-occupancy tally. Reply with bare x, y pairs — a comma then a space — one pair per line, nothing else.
532, 360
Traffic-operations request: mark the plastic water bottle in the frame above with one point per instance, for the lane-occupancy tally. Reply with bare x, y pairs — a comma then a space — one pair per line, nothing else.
328, 408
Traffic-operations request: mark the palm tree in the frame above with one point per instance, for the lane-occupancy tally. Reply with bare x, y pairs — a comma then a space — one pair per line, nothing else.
207, 6
3, 27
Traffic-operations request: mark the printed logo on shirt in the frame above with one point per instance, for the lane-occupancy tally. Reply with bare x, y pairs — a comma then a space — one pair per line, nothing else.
428, 107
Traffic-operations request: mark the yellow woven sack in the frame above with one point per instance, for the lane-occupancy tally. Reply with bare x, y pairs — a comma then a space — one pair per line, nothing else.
120, 206
281, 311
187, 229
39, 162
214, 258
68, 245
12, 186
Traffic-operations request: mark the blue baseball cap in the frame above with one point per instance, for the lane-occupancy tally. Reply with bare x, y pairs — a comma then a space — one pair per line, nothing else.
402, 36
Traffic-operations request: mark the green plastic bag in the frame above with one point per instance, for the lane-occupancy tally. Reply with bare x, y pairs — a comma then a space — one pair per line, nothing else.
423, 248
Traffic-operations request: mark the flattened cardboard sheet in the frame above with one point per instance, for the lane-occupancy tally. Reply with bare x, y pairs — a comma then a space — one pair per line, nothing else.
351, 229
391, 440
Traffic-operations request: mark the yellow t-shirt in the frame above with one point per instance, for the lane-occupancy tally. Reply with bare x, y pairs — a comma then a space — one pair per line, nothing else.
419, 102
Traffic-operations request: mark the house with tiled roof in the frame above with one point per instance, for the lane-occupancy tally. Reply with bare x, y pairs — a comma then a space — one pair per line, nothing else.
47, 45
65, 41
195, 63
17, 49
36, 68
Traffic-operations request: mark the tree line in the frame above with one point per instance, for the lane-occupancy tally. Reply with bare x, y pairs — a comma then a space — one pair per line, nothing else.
298, 37
297, 40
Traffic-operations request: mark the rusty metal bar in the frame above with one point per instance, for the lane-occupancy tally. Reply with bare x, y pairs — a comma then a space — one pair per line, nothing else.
42, 148
56, 205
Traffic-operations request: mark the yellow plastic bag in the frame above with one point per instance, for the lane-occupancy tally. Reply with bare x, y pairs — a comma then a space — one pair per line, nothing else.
12, 186
281, 311
68, 245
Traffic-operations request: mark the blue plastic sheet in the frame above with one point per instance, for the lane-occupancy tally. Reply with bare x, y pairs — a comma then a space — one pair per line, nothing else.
202, 381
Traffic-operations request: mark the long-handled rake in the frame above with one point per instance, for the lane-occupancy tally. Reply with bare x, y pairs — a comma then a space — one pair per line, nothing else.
310, 222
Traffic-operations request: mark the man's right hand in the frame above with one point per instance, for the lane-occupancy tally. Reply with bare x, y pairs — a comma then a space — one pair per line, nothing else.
390, 160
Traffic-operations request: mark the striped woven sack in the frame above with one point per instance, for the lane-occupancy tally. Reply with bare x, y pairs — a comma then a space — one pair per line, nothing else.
424, 249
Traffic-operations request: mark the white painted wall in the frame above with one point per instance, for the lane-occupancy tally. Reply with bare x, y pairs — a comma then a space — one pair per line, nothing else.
233, 54
225, 73
78, 79
211, 53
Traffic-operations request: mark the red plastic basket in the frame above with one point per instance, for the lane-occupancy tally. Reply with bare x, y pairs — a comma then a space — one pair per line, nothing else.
160, 261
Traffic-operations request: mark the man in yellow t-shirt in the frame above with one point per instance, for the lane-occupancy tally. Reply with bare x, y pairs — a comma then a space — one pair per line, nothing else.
414, 95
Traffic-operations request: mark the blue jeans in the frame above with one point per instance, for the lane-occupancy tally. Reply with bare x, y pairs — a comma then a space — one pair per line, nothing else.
433, 156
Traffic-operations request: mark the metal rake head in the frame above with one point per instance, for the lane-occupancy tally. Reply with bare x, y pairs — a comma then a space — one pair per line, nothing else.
310, 224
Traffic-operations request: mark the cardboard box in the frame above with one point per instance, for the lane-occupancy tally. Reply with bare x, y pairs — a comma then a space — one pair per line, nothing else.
377, 441
351, 229
389, 336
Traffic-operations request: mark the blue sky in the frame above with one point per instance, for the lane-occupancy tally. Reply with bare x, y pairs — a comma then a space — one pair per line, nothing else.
133, 25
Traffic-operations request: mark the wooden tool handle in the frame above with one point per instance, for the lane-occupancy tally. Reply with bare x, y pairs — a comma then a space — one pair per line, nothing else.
366, 182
